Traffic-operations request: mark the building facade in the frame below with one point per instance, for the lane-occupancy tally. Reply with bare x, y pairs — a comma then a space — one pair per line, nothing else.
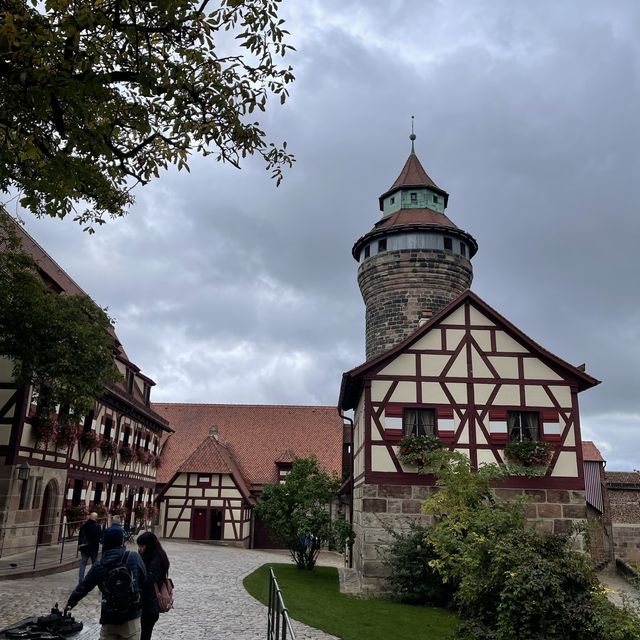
221, 455
457, 370
43, 482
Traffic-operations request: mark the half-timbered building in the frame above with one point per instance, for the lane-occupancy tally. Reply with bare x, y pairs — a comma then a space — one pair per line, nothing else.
41, 481
221, 455
442, 362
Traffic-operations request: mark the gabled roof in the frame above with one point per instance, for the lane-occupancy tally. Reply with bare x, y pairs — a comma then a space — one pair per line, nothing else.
255, 436
212, 456
352, 380
591, 453
413, 175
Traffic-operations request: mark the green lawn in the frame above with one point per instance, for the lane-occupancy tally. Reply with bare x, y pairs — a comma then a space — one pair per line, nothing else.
314, 597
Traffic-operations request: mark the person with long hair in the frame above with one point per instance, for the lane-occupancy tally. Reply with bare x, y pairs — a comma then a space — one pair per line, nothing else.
157, 563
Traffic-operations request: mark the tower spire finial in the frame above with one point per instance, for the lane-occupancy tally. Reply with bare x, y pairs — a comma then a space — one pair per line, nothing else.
412, 137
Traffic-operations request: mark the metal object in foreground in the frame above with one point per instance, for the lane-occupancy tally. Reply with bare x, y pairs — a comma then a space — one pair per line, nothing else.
58, 625
278, 621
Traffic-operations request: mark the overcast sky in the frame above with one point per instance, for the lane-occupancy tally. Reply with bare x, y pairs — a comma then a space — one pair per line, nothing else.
228, 289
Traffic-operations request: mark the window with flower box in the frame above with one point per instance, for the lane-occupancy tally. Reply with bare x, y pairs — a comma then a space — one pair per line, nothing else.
523, 425
419, 422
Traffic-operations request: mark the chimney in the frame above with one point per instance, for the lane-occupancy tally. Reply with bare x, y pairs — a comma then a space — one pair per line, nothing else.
425, 316
213, 432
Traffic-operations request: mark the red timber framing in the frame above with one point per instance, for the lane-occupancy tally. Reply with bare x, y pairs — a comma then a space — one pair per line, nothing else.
485, 368
185, 494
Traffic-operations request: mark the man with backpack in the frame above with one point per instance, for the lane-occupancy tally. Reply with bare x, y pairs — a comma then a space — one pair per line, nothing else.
120, 576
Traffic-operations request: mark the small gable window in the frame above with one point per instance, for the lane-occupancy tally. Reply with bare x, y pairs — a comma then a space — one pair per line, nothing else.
448, 244
382, 245
419, 422
204, 480
414, 197
523, 425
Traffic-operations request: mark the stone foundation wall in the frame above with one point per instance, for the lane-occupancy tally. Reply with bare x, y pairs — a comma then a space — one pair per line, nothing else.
626, 542
376, 508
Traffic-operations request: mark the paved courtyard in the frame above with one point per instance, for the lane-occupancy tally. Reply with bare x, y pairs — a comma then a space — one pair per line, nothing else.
210, 601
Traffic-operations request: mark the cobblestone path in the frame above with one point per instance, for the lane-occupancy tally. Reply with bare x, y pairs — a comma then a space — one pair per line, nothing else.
210, 601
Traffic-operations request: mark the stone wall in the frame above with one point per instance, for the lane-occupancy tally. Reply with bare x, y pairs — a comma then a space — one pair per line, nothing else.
398, 286
626, 542
376, 508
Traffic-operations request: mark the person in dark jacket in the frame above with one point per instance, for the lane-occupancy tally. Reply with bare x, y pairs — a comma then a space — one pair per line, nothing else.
124, 625
89, 542
157, 565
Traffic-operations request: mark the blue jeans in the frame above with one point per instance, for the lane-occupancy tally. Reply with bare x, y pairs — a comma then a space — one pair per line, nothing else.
85, 560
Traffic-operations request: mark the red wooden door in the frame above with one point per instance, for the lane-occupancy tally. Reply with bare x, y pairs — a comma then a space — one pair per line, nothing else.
199, 524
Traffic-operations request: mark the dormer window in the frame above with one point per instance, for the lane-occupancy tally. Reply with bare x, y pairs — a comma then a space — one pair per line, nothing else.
367, 251
382, 245
435, 199
392, 200
448, 244
129, 381
414, 197
147, 393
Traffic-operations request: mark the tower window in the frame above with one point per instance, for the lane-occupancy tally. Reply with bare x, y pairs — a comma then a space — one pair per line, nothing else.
392, 200
414, 197
463, 249
382, 245
448, 244
367, 251
435, 198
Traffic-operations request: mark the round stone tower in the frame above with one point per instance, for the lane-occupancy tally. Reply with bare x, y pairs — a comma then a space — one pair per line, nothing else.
414, 261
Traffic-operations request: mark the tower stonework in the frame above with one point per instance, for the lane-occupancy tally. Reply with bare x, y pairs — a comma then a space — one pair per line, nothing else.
413, 262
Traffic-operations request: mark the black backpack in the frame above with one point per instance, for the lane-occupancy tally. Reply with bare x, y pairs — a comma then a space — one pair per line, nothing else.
120, 593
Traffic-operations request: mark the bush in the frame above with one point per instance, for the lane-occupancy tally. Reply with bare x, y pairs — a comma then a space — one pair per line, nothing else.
412, 579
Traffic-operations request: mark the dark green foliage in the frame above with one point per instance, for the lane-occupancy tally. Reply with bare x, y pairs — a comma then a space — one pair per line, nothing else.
60, 344
412, 579
100, 96
297, 512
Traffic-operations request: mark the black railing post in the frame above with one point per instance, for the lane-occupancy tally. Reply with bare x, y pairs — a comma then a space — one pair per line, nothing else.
278, 621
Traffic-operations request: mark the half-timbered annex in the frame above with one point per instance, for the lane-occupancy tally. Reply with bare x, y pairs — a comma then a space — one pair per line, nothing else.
221, 455
442, 362
110, 463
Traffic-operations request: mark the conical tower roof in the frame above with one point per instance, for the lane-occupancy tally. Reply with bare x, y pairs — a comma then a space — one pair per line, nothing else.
413, 176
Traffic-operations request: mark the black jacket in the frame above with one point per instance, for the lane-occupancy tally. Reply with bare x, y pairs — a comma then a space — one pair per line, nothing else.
98, 575
155, 575
89, 535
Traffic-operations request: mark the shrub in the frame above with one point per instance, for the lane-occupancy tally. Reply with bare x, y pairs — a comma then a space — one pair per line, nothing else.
412, 579
416, 450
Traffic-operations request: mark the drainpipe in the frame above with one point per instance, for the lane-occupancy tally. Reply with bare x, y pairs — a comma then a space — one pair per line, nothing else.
352, 456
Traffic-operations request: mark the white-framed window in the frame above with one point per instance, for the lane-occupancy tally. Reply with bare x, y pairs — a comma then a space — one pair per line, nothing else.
523, 425
419, 422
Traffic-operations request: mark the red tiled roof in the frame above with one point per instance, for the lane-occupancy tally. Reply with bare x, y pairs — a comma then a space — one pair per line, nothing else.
622, 477
254, 435
413, 175
590, 452
415, 216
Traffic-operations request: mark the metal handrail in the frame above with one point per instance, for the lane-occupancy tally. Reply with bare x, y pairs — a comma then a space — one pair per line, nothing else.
278, 620
67, 532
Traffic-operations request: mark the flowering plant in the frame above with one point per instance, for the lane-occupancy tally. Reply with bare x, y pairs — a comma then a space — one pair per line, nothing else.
126, 454
148, 457
107, 447
88, 440
100, 509
529, 453
65, 432
151, 513
140, 512
139, 454
157, 461
43, 429
118, 510
415, 450
75, 515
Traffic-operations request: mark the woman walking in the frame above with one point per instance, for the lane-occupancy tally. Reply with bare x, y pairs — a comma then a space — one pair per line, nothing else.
157, 564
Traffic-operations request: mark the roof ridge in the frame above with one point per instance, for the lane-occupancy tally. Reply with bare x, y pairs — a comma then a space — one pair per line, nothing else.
232, 404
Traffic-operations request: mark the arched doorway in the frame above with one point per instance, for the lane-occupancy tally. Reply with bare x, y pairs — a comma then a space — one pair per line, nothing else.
46, 530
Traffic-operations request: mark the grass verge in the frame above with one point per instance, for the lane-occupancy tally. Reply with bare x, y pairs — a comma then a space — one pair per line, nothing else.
314, 597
